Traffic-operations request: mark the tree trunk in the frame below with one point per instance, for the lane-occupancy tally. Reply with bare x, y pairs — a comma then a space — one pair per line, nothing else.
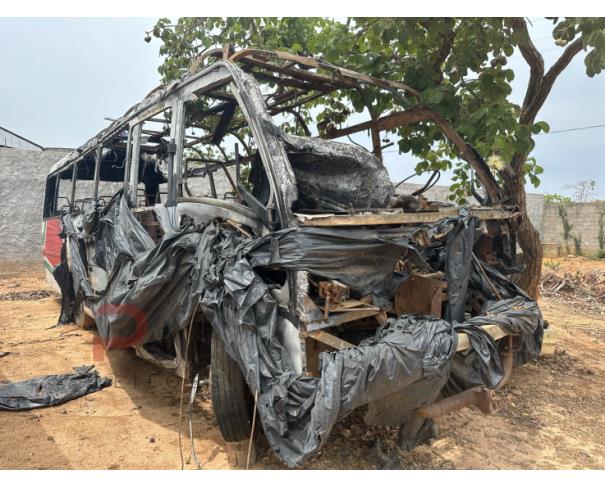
528, 239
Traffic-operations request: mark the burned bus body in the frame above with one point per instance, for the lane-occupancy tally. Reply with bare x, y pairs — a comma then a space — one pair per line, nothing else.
200, 231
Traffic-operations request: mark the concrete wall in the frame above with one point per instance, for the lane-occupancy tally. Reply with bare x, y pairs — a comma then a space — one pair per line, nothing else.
22, 180
23, 175
584, 220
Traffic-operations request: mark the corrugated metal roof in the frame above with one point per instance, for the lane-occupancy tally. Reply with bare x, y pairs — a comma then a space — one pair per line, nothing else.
16, 141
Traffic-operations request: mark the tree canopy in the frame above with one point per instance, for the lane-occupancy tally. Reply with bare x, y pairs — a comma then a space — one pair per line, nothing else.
458, 64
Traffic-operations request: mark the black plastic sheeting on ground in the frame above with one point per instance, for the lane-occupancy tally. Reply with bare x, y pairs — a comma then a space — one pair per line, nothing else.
153, 292
50, 390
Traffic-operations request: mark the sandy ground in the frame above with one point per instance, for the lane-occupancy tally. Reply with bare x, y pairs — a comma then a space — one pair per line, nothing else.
550, 416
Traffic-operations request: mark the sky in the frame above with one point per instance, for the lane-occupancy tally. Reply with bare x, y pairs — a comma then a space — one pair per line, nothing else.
62, 77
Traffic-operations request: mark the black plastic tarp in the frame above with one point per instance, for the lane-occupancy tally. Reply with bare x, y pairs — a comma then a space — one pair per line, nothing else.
50, 390
154, 290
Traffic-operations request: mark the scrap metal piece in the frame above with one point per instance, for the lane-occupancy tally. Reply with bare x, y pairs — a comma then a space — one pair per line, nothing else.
333, 290
420, 294
478, 396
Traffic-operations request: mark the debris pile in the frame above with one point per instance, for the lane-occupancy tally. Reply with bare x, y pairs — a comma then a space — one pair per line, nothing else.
586, 290
27, 295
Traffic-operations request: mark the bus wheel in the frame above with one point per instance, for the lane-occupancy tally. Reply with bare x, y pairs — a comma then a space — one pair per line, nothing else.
81, 319
231, 399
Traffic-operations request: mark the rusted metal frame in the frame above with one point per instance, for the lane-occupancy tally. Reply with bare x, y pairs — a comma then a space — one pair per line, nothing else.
74, 177
158, 120
479, 396
162, 133
422, 294
214, 110
98, 160
284, 96
211, 181
228, 162
220, 95
292, 82
388, 122
296, 73
231, 181
274, 110
207, 138
341, 73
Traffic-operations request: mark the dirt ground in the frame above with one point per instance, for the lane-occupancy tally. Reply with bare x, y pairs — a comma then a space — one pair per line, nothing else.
549, 417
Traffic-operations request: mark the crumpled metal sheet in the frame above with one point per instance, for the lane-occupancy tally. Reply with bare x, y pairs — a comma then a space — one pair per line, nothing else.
50, 390
215, 267
336, 176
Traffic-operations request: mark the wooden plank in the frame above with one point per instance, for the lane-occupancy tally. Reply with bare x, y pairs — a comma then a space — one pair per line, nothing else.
396, 218
341, 318
328, 339
495, 331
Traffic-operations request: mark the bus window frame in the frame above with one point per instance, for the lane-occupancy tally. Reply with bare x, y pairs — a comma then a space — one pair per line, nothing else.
133, 149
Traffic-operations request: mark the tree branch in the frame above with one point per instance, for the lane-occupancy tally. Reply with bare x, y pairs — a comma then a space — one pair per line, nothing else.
471, 156
444, 51
533, 58
549, 79
387, 122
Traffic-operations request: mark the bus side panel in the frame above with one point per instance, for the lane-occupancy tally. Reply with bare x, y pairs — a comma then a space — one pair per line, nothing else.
51, 249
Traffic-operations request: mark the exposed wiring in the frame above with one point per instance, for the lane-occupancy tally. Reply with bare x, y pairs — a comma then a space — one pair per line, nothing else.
183, 385
433, 180
353, 142
252, 430
404, 180
572, 129
424, 188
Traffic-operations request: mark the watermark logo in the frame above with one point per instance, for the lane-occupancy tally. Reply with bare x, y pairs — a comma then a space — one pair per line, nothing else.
135, 325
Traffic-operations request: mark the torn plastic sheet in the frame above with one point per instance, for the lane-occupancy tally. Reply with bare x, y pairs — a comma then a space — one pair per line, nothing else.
50, 390
153, 291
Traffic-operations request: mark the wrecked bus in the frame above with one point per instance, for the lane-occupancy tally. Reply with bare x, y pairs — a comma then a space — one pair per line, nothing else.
212, 227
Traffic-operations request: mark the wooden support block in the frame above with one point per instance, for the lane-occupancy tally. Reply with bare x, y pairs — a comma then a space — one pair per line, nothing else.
549, 341
494, 330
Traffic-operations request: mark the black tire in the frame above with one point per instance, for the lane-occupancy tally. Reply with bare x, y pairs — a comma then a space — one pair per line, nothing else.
231, 398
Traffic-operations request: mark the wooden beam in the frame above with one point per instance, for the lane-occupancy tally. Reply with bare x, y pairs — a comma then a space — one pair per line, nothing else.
330, 340
496, 331
397, 218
